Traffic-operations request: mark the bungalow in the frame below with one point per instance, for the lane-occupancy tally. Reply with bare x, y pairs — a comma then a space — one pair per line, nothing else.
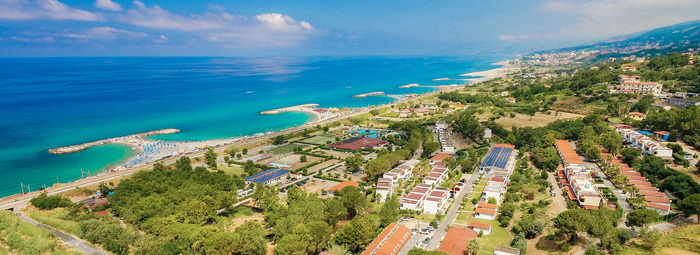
340, 186
405, 113
510, 100
440, 124
269, 177
479, 226
629, 68
93, 202
505, 250
439, 157
647, 188
484, 213
647, 193
641, 183
661, 209
456, 240
636, 115
637, 178
390, 240
436, 201
661, 135
658, 200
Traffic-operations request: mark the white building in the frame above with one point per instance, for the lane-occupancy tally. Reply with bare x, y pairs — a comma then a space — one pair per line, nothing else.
479, 226
436, 201
441, 124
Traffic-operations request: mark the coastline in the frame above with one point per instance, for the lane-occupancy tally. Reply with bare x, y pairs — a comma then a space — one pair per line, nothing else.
503, 69
221, 144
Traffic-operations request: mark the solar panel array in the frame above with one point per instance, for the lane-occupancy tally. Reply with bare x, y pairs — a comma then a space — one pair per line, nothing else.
498, 157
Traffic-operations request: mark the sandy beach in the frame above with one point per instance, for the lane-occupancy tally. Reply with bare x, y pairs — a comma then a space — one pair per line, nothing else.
501, 71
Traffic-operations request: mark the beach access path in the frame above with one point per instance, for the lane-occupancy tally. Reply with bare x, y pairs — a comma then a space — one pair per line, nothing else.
20, 200
68, 239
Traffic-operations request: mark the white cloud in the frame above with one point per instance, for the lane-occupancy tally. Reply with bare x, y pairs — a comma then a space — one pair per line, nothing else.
105, 33
605, 18
161, 39
269, 29
108, 5
43, 9
156, 17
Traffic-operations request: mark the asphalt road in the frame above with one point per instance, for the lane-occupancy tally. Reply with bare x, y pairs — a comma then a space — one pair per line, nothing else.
68, 239
451, 215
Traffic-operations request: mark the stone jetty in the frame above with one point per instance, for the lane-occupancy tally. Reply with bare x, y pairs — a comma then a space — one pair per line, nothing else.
378, 93
82, 146
296, 108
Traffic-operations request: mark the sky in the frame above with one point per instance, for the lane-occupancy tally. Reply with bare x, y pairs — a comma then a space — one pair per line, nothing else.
56, 28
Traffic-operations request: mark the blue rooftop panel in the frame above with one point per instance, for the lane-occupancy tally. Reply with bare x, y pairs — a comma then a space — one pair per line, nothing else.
498, 157
267, 175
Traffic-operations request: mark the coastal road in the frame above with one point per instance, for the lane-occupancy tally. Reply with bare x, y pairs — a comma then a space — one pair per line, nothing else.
451, 214
20, 200
68, 239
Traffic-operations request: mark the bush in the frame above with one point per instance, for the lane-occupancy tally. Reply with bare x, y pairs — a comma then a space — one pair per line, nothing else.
475, 200
46, 202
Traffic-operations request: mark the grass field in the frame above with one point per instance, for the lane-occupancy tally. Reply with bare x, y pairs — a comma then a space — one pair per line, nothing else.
691, 171
287, 148
539, 120
233, 169
54, 219
499, 236
685, 240
318, 140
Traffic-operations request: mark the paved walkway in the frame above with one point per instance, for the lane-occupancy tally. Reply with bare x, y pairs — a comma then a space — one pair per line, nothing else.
68, 239
451, 215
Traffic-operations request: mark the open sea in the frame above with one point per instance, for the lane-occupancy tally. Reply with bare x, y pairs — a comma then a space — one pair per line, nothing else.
54, 102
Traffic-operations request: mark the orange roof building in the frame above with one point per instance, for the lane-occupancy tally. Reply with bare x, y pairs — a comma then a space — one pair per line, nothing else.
440, 157
456, 240
343, 185
392, 239
487, 205
567, 153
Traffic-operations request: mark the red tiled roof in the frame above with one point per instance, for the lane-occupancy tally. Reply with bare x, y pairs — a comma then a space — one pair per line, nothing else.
486, 211
504, 145
103, 213
641, 183
646, 188
630, 173
456, 240
570, 192
440, 156
487, 205
568, 152
662, 132
590, 207
636, 113
392, 243
414, 197
647, 193
637, 178
496, 179
343, 184
662, 200
480, 225
658, 206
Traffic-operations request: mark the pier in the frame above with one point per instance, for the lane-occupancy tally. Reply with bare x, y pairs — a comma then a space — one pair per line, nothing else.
378, 93
296, 108
83, 146
409, 85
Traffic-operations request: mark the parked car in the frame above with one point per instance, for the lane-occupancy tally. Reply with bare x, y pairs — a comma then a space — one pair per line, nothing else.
457, 189
554, 194
427, 239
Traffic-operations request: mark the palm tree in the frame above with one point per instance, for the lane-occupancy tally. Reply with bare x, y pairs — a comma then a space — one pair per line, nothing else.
473, 247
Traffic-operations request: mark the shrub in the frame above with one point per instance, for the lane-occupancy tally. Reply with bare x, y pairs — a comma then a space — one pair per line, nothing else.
46, 202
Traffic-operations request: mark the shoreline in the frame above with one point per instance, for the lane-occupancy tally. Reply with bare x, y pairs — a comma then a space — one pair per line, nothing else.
222, 144
498, 72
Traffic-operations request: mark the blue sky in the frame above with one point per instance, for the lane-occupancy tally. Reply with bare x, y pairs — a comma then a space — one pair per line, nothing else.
323, 27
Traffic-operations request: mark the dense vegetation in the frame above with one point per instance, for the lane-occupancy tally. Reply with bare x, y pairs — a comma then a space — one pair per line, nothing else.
23, 238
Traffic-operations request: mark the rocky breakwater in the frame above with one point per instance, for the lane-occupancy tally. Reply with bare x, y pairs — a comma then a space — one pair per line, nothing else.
378, 93
121, 139
296, 108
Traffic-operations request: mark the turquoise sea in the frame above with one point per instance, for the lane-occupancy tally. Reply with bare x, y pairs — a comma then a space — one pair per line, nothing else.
53, 102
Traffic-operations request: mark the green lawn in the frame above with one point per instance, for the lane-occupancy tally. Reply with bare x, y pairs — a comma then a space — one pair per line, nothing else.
287, 148
499, 236
391, 115
318, 140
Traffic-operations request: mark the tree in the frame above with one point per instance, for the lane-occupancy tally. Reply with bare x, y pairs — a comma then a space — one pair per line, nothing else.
691, 205
159, 167
641, 217
46, 202
651, 237
183, 164
389, 212
325, 129
210, 156
611, 141
419, 251
335, 211
571, 222
302, 158
353, 163
353, 199
473, 247
245, 151
592, 151
227, 160
469, 125
358, 232
630, 155
279, 139
588, 134
429, 148
492, 200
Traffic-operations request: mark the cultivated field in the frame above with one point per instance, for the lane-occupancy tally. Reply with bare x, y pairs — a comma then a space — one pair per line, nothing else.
539, 120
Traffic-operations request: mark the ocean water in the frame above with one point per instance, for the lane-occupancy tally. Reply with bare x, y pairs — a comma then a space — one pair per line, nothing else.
53, 102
